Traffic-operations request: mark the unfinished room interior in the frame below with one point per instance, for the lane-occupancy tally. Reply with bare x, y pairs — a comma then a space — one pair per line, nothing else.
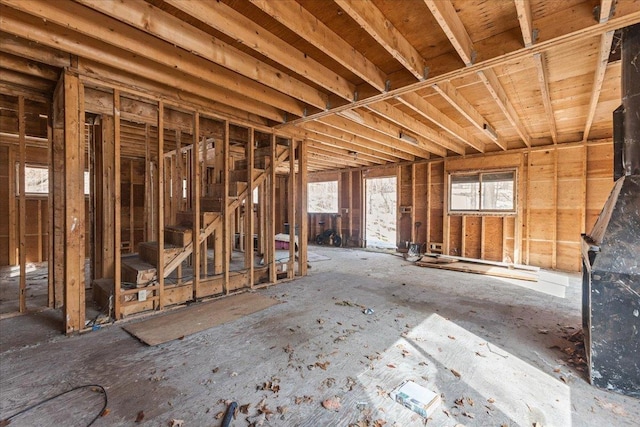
320, 212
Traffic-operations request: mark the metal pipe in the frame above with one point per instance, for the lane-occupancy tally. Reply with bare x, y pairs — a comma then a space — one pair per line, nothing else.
631, 98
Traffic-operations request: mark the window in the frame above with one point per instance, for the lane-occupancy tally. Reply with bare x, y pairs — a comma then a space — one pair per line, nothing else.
482, 192
36, 179
322, 197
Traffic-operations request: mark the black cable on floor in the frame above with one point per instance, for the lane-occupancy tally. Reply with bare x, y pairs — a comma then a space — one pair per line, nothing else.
7, 420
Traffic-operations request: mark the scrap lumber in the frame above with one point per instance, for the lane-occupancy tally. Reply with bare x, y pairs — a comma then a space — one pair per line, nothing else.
489, 270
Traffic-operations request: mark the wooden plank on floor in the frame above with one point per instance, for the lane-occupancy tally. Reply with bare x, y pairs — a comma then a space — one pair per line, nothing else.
198, 317
487, 270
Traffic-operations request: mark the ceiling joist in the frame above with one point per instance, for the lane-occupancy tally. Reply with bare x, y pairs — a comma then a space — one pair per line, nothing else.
369, 17
523, 7
598, 79
543, 81
450, 22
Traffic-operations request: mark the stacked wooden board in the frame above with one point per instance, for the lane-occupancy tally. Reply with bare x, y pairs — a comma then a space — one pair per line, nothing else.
478, 266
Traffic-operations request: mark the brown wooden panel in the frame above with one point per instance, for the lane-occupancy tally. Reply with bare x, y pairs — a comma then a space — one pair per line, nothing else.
541, 224
493, 249
540, 253
569, 225
568, 256
455, 235
472, 236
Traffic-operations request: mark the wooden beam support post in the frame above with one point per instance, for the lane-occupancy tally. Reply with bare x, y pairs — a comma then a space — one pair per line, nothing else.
303, 238
74, 299
271, 213
117, 207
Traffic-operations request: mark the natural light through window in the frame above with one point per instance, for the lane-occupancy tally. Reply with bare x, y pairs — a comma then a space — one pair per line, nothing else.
322, 197
482, 192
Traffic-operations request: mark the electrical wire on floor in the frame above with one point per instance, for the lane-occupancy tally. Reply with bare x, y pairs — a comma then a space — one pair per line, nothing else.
7, 421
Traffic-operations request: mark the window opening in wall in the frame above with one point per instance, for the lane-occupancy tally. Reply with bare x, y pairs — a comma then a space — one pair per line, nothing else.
322, 197
381, 212
482, 192
36, 180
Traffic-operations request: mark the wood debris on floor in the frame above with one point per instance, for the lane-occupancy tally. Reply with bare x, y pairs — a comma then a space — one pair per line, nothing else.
477, 266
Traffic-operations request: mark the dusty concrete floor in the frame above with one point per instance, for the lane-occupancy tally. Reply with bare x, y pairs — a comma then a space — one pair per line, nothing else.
492, 348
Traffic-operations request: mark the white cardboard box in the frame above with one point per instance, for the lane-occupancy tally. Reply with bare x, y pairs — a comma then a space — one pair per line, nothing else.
417, 398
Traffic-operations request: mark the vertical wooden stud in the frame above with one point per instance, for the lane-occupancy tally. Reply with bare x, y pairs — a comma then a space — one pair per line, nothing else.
227, 233
22, 226
271, 212
428, 227
554, 249
445, 209
303, 238
160, 206
195, 202
292, 209
248, 208
117, 206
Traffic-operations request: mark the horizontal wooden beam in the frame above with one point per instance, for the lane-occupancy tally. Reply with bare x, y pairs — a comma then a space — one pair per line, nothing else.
386, 34
543, 81
242, 29
400, 118
127, 42
497, 92
29, 67
34, 51
418, 104
449, 21
294, 16
523, 8
598, 79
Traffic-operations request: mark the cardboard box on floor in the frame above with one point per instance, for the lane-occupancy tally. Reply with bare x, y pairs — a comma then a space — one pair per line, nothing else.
417, 398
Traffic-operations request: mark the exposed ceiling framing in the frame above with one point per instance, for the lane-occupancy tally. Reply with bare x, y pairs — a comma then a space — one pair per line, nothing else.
352, 78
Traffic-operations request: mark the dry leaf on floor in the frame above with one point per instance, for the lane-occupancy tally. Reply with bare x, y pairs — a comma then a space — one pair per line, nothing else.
176, 423
215, 370
105, 412
329, 382
451, 337
219, 415
323, 365
379, 423
459, 402
332, 403
350, 383
303, 399
244, 408
470, 401
468, 415
282, 409
405, 353
455, 373
391, 365
491, 400
140, 417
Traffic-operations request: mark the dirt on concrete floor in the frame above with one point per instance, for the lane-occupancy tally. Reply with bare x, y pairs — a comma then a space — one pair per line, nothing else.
499, 352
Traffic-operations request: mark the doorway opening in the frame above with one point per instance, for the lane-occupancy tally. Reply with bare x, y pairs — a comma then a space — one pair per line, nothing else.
381, 212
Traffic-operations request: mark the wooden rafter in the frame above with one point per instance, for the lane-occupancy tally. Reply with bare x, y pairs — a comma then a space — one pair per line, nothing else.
418, 104
374, 135
405, 121
497, 92
139, 14
541, 69
377, 124
356, 139
386, 34
46, 33
371, 154
601, 68
464, 107
450, 22
606, 9
523, 7
226, 20
292, 15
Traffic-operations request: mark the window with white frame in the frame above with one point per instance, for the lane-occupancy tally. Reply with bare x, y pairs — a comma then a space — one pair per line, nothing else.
492, 191
322, 197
